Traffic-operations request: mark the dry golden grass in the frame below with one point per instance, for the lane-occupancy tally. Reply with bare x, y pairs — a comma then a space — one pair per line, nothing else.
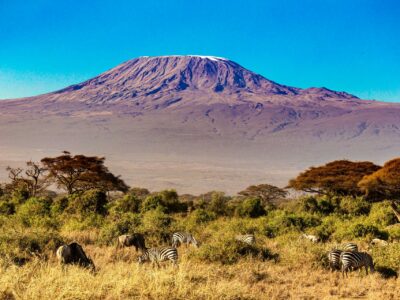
118, 276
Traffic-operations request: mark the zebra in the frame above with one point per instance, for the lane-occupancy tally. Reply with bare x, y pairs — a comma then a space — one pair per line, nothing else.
157, 255
334, 259
350, 247
183, 237
246, 238
356, 260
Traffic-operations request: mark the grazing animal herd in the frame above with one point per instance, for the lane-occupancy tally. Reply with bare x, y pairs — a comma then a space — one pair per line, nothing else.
348, 258
74, 254
345, 257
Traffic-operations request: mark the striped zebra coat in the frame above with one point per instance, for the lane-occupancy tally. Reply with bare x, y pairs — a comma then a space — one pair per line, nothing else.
246, 238
157, 255
356, 260
179, 238
334, 259
350, 247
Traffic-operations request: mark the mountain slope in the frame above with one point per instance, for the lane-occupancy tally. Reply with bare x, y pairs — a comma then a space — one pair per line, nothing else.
205, 116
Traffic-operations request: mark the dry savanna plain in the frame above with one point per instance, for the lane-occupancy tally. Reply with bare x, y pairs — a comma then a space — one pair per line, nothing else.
207, 128
118, 276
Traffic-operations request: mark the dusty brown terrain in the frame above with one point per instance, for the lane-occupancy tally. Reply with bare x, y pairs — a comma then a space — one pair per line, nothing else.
197, 123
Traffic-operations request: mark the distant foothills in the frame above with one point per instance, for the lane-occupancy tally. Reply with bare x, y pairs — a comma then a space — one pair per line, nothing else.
190, 121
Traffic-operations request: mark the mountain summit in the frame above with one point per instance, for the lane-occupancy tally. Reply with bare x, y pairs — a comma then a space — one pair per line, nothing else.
148, 76
198, 123
162, 81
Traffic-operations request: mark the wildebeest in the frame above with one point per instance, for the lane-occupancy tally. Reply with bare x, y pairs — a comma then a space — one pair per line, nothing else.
74, 254
128, 240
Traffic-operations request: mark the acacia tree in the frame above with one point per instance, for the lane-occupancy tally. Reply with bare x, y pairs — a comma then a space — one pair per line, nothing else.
32, 179
337, 177
265, 192
79, 173
385, 182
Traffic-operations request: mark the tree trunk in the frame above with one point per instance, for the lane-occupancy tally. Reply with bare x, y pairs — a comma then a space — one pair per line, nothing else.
396, 210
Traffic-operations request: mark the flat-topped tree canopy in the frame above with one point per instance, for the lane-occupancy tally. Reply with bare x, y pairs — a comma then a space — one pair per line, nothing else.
336, 177
77, 173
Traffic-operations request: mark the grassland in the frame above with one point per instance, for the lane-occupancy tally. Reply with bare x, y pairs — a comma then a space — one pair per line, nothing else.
280, 266
296, 275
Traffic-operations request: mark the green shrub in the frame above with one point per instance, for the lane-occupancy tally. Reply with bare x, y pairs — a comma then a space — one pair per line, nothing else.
197, 218
81, 223
122, 224
324, 231
155, 223
353, 229
19, 196
355, 206
91, 201
152, 202
60, 204
280, 221
219, 204
323, 205
388, 256
19, 246
128, 203
7, 207
224, 249
139, 193
36, 212
394, 232
381, 214
250, 207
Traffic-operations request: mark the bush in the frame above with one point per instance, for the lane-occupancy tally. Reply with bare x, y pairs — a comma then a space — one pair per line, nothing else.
155, 223
91, 201
80, 223
219, 204
323, 205
19, 196
226, 250
171, 202
7, 207
354, 206
280, 221
250, 207
197, 218
394, 232
381, 214
139, 193
128, 203
35, 211
19, 246
60, 204
152, 202
361, 230
122, 224
388, 256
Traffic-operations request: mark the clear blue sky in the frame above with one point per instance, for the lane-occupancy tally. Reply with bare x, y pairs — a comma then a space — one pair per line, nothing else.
343, 45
